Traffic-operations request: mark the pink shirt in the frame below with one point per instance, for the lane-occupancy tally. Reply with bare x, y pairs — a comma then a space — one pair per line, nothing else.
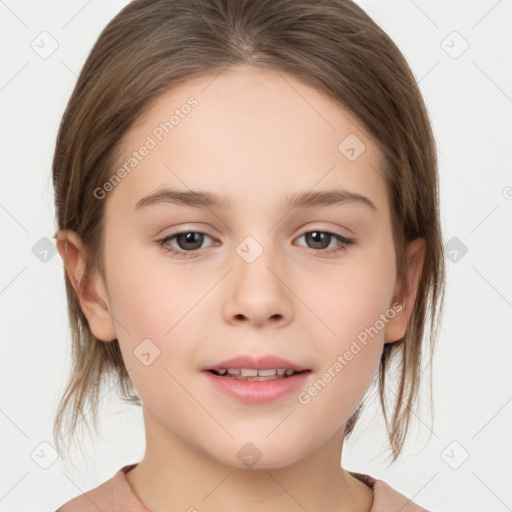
116, 495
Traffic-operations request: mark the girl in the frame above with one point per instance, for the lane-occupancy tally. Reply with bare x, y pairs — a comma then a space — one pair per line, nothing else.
288, 143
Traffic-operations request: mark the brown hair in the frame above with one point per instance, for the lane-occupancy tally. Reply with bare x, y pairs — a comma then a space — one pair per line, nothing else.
332, 45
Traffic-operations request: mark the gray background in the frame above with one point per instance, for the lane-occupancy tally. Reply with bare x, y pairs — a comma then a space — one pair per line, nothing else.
461, 461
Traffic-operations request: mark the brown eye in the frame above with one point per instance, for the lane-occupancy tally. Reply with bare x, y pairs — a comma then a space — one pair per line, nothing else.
319, 241
188, 242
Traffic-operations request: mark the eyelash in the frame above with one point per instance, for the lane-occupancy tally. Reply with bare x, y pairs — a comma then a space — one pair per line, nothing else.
163, 243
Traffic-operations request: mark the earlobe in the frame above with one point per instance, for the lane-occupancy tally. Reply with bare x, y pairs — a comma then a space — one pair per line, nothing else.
92, 295
407, 292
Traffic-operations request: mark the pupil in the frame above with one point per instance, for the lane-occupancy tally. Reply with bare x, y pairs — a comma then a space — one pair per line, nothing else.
317, 241
188, 238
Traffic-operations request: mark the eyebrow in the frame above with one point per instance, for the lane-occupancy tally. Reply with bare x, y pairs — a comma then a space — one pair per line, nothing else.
198, 199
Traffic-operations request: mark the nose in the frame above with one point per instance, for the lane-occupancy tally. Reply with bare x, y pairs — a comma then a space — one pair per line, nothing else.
257, 292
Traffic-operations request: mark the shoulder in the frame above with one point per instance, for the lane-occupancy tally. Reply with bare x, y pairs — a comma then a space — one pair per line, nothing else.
386, 498
114, 495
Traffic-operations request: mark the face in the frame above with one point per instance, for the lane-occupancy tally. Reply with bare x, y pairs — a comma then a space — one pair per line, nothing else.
257, 274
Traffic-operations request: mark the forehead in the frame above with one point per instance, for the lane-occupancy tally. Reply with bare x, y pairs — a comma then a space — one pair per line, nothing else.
246, 133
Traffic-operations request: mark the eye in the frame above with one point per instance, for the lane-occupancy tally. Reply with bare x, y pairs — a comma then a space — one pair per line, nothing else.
188, 241
321, 240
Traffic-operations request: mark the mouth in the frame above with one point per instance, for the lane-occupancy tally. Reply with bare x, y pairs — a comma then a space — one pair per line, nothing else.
256, 367
251, 374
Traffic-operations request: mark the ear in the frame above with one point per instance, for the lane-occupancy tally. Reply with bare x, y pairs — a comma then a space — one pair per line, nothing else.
91, 294
406, 293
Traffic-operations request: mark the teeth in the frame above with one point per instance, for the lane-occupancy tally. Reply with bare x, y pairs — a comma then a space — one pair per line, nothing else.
249, 373
243, 373
266, 373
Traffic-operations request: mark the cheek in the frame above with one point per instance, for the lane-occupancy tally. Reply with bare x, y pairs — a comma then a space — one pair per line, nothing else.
151, 302
352, 303
356, 294
159, 312
349, 349
153, 297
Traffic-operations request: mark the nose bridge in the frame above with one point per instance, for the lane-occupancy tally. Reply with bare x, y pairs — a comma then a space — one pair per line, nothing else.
256, 262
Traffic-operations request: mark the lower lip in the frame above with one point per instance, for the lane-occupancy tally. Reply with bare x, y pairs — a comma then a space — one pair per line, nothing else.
258, 392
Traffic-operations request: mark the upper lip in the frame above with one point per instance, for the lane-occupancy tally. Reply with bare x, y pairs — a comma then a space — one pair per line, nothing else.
258, 363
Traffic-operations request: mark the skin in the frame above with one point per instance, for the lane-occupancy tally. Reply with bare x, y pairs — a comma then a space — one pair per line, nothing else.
279, 135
